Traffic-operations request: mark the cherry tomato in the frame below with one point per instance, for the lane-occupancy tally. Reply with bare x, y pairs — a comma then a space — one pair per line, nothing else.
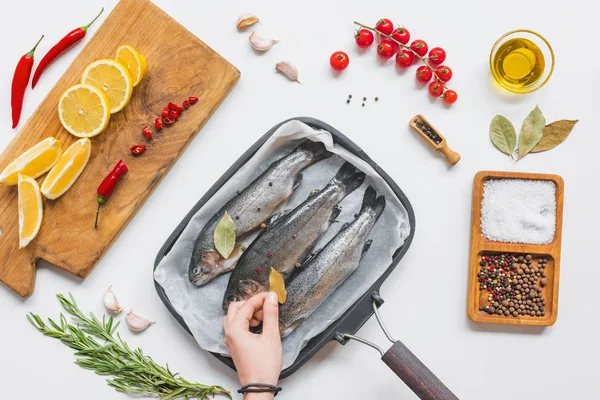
419, 47
450, 96
404, 58
401, 34
444, 73
384, 26
437, 55
386, 49
364, 38
424, 74
339, 61
436, 88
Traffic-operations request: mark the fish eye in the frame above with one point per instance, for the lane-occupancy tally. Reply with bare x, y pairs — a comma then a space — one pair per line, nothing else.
196, 271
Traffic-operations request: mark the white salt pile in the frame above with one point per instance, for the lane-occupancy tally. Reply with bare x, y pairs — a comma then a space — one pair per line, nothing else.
519, 211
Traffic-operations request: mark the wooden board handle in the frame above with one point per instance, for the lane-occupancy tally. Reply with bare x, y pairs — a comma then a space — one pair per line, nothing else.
452, 156
415, 374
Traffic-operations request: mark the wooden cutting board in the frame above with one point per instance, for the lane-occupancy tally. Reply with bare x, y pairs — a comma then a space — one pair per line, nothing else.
179, 65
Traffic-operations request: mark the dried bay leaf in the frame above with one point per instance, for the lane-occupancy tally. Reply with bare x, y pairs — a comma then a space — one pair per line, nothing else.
554, 134
225, 236
531, 131
503, 135
277, 285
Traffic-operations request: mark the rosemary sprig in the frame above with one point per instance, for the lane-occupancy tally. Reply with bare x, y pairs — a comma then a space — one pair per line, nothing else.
131, 370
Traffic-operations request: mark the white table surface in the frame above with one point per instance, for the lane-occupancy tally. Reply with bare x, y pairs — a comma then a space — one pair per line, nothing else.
426, 294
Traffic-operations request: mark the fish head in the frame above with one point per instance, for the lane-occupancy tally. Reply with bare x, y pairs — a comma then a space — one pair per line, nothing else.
208, 267
244, 290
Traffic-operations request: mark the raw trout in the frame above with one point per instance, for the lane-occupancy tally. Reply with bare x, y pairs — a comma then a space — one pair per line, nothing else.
331, 266
289, 237
251, 207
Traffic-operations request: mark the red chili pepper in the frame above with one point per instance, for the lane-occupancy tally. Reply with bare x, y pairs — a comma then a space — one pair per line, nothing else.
179, 110
173, 106
108, 185
59, 48
147, 132
137, 149
186, 103
193, 99
19, 84
165, 112
158, 123
169, 120
173, 114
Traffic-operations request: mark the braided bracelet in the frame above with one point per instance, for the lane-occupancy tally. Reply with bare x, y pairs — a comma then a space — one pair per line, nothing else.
260, 388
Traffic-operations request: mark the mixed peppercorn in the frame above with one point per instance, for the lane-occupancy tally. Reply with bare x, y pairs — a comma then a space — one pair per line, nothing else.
428, 131
515, 284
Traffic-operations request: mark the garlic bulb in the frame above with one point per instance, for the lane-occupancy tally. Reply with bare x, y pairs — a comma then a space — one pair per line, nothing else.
288, 69
137, 323
110, 301
246, 20
260, 43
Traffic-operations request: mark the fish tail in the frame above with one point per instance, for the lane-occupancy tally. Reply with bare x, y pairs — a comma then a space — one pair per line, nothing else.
316, 149
373, 203
350, 176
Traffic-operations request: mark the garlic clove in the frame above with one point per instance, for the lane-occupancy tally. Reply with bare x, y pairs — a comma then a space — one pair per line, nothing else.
260, 43
246, 20
137, 323
288, 69
110, 301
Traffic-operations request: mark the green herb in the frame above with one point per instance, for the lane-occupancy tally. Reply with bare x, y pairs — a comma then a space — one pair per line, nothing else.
225, 236
132, 371
503, 135
531, 131
554, 134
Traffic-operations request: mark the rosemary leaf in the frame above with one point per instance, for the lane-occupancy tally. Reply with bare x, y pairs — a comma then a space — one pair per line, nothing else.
130, 370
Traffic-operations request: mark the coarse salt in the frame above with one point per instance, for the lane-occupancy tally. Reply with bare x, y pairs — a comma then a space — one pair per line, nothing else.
519, 211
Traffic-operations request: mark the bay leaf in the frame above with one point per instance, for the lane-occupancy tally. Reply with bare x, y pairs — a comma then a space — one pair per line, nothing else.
277, 285
554, 134
503, 135
531, 131
225, 236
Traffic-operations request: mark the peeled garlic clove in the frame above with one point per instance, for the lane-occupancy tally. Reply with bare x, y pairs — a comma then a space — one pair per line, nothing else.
260, 43
137, 323
110, 301
246, 20
288, 69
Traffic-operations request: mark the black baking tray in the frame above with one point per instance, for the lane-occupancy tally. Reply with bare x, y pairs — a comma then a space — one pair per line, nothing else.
356, 316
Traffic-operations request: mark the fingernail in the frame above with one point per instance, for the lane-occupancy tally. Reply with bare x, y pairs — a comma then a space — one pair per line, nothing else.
273, 298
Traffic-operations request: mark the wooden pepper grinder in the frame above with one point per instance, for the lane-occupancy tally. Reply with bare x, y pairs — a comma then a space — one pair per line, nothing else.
434, 138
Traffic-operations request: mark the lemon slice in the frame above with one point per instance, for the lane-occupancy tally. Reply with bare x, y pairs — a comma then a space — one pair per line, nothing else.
67, 169
34, 162
134, 61
83, 110
30, 209
112, 78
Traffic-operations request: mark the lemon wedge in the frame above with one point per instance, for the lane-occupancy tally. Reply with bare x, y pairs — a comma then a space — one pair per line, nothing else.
134, 61
66, 171
30, 209
84, 110
113, 79
34, 162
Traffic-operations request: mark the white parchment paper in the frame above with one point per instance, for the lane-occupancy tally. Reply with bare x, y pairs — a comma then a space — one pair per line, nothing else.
201, 307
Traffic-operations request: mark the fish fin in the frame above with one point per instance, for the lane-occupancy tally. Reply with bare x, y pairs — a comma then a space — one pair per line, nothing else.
366, 247
289, 329
372, 202
277, 216
316, 149
350, 177
337, 210
297, 181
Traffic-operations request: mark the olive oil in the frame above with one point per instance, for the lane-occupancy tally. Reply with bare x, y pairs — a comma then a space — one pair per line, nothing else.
519, 63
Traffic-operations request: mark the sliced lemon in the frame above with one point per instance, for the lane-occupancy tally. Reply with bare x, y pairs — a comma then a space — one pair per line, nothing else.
31, 210
84, 110
112, 78
35, 162
67, 169
134, 61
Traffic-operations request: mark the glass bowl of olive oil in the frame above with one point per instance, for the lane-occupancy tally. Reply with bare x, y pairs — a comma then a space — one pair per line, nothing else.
522, 61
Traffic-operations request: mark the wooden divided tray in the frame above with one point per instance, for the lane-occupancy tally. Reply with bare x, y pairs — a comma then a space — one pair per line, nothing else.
481, 246
179, 65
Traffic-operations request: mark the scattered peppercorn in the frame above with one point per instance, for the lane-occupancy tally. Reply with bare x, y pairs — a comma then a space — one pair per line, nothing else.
349, 96
258, 209
348, 101
269, 254
363, 104
364, 99
270, 183
376, 98
298, 265
258, 269
429, 132
263, 226
294, 236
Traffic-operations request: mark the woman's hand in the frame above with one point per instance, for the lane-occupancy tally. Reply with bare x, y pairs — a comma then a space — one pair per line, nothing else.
257, 357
